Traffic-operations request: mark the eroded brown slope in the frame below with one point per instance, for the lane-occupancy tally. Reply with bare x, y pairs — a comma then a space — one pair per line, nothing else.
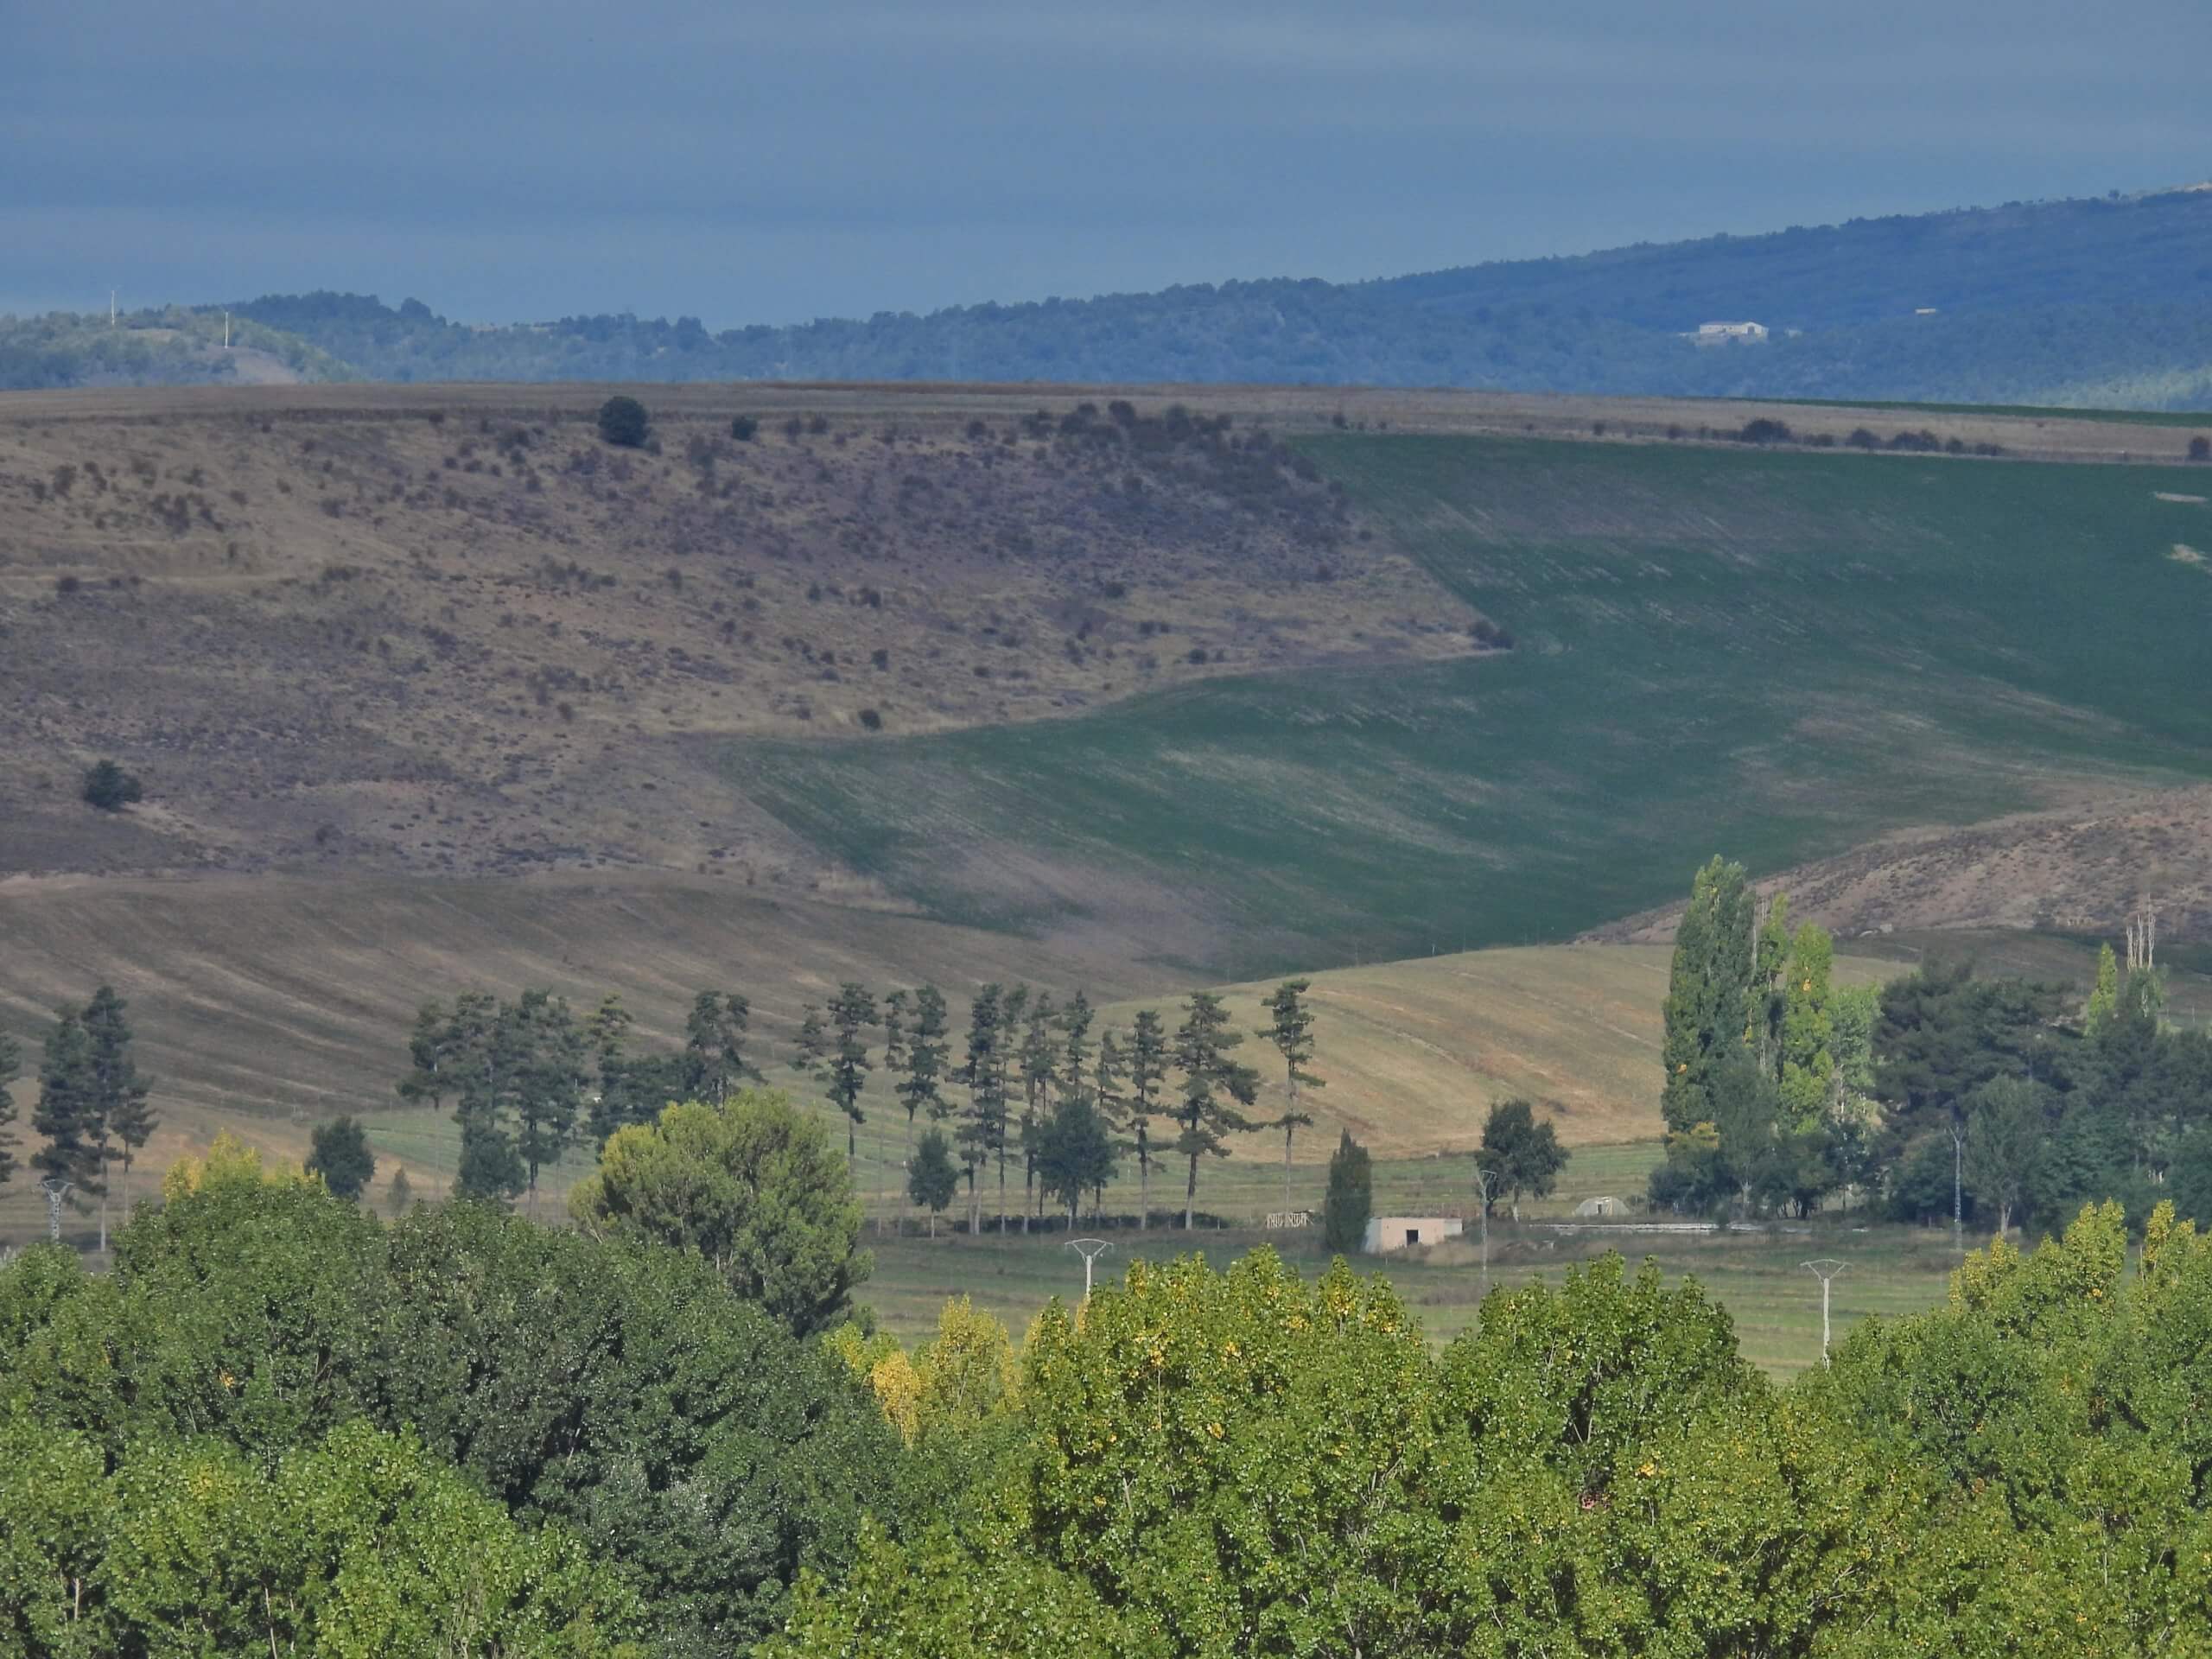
463, 634
2079, 869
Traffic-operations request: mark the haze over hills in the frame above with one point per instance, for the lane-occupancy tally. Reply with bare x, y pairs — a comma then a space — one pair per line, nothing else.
2104, 302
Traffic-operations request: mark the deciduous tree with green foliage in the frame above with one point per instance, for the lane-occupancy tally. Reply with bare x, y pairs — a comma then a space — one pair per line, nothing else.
1519, 1153
753, 1186
932, 1178
1708, 1015
339, 1152
1075, 1154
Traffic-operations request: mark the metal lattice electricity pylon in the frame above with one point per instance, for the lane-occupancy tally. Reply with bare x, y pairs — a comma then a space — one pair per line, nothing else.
1826, 1268
55, 1190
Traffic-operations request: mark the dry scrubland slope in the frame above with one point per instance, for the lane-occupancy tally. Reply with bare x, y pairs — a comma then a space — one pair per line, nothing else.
456, 635
1782, 654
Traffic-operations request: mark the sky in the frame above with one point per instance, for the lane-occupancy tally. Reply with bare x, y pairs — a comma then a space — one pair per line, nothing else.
756, 161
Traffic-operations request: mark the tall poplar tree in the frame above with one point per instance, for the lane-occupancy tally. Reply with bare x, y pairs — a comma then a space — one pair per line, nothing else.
1805, 1059
1290, 1028
1708, 991
1214, 1086
1147, 1072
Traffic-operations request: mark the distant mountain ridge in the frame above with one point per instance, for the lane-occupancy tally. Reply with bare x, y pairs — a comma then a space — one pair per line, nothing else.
2090, 302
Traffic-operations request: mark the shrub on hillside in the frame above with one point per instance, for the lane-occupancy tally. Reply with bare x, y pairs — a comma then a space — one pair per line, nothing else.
623, 423
2200, 449
109, 788
743, 428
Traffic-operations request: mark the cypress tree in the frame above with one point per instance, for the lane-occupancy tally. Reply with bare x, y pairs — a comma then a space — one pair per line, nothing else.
1350, 1199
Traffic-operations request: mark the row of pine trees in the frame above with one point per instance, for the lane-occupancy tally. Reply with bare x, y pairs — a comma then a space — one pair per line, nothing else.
1035, 1081
92, 1106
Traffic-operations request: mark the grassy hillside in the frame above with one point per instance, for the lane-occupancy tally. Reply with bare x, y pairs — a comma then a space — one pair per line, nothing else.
1780, 654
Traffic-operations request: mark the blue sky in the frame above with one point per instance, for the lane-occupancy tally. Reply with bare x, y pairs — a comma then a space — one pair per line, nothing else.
774, 161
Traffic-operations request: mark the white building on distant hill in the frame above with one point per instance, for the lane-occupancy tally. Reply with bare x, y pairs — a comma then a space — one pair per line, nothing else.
1718, 334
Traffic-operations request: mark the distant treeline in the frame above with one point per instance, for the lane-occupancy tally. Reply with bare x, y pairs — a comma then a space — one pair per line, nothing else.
2097, 302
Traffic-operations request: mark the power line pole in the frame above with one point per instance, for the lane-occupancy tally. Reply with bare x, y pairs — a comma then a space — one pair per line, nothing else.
1485, 1182
1089, 1250
54, 1188
1825, 1268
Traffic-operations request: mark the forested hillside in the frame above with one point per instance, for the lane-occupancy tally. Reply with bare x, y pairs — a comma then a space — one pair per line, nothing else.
2074, 301
2087, 303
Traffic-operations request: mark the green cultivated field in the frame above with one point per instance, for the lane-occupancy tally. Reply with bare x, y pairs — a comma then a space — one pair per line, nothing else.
1778, 654
1773, 1301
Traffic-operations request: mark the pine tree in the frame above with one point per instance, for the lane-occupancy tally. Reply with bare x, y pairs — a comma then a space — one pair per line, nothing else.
713, 1046
1108, 1075
607, 1035
126, 1121
63, 1113
1707, 1013
429, 1049
1291, 1030
487, 1049
851, 1015
920, 1084
1039, 1066
1076, 1020
1203, 1043
1147, 1072
399, 1196
983, 1072
11, 1063
548, 1082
